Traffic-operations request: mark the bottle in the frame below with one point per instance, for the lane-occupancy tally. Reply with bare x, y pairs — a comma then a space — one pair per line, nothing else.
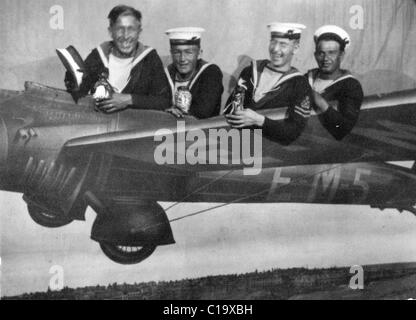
238, 101
102, 88
183, 99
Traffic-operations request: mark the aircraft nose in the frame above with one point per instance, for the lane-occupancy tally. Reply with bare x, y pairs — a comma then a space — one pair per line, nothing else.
3, 143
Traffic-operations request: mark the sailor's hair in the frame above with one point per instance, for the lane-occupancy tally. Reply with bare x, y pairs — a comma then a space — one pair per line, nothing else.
123, 10
332, 36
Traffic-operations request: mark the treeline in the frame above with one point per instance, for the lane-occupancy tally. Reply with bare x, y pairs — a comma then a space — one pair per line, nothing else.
273, 284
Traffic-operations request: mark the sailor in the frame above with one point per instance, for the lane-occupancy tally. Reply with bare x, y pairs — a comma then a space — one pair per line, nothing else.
274, 83
195, 85
135, 71
337, 95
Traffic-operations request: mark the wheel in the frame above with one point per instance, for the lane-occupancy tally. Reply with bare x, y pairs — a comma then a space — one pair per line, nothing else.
127, 254
46, 219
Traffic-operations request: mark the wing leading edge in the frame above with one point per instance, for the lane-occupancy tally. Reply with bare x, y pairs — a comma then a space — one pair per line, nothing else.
384, 132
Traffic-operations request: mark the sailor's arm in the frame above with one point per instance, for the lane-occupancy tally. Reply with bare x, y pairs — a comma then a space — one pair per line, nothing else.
158, 95
206, 103
288, 130
340, 122
282, 131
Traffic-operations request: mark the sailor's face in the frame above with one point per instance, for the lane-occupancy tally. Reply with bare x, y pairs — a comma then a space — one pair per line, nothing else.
185, 58
125, 34
281, 51
328, 56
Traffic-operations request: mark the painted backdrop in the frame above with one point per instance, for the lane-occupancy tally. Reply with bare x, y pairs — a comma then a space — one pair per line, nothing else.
383, 34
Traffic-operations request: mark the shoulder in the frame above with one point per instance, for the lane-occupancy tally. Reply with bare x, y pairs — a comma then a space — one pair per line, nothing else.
213, 69
353, 83
352, 86
95, 54
152, 54
298, 86
104, 47
247, 71
152, 59
258, 64
93, 60
300, 81
209, 74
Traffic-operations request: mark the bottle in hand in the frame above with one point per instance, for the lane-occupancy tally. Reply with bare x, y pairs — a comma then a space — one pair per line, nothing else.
183, 99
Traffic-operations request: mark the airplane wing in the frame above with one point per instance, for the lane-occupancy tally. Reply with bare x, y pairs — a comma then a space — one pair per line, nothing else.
384, 132
8, 94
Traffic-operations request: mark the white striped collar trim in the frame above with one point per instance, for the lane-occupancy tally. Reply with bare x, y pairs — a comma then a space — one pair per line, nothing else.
284, 79
171, 84
287, 77
198, 74
254, 63
139, 58
281, 80
312, 80
103, 57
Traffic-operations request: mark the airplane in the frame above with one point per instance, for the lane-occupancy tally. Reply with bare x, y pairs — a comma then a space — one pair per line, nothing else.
64, 157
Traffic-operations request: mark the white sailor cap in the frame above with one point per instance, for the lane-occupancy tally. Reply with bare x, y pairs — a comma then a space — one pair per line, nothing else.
291, 31
332, 32
186, 35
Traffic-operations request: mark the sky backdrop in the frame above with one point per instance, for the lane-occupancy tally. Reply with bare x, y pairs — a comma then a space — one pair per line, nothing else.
237, 238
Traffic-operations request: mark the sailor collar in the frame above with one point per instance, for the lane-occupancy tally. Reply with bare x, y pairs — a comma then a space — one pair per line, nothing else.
105, 48
313, 74
171, 72
258, 67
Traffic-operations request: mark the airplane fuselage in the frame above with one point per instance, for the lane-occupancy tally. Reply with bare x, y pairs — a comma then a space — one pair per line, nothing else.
35, 126
65, 157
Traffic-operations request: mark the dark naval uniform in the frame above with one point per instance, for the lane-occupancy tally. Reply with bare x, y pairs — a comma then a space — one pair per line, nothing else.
345, 96
291, 91
205, 86
147, 82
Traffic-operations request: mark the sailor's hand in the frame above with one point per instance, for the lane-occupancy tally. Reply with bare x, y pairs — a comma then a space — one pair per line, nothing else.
320, 102
175, 111
118, 102
245, 118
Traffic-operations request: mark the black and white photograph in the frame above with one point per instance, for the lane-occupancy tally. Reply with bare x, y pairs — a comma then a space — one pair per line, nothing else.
207, 150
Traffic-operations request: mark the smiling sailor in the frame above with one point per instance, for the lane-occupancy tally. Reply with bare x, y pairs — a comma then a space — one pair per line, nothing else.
196, 85
133, 70
337, 95
274, 83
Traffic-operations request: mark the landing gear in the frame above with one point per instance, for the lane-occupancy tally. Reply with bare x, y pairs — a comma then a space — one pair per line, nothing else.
129, 231
126, 254
47, 219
